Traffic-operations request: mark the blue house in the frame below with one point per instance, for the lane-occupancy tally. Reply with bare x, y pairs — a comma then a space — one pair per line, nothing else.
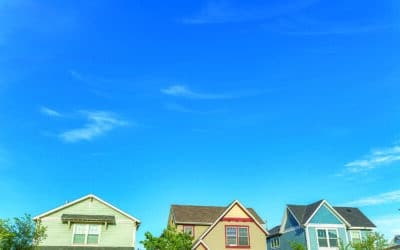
319, 226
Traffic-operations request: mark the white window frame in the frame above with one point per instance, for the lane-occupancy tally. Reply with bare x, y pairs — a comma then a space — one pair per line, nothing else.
191, 228
275, 242
328, 238
359, 236
237, 240
86, 235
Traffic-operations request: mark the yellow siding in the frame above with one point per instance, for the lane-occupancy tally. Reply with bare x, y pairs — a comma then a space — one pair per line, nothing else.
216, 237
198, 230
201, 247
59, 234
236, 212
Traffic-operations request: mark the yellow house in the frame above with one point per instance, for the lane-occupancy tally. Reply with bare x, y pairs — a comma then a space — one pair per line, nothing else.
218, 228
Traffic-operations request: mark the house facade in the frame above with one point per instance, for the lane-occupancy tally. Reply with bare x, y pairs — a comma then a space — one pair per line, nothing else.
218, 228
319, 226
88, 222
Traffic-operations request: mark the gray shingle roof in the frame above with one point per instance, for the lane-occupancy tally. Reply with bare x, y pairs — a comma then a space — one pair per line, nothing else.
82, 218
351, 214
354, 216
304, 212
274, 231
202, 214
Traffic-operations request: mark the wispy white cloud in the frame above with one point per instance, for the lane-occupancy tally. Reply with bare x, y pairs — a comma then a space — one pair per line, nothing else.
226, 12
185, 92
373, 160
98, 123
50, 112
389, 197
389, 225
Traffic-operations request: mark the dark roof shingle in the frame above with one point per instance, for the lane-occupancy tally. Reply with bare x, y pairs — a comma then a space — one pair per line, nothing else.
354, 216
351, 214
304, 212
202, 214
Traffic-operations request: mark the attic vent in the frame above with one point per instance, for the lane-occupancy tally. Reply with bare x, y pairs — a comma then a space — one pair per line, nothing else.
348, 210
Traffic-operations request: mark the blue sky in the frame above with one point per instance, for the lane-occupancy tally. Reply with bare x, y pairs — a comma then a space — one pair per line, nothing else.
148, 103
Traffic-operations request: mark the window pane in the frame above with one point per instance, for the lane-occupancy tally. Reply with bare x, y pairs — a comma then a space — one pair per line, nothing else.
333, 242
332, 234
94, 229
231, 241
321, 233
231, 231
80, 229
243, 241
243, 232
323, 242
79, 239
188, 230
231, 236
93, 239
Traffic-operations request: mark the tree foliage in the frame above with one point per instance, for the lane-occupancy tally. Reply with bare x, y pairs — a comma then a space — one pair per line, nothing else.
294, 245
21, 234
170, 239
373, 241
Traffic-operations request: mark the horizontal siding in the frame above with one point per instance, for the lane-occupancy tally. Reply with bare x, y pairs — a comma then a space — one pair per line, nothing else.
120, 235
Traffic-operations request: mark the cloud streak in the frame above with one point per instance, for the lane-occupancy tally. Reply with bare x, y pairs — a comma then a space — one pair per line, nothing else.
223, 12
373, 160
389, 197
185, 92
388, 224
98, 123
49, 112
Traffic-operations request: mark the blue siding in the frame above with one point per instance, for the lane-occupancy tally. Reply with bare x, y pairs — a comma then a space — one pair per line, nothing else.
291, 221
297, 235
312, 233
325, 216
285, 239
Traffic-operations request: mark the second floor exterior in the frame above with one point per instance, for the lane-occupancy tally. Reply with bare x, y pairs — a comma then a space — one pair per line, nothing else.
319, 226
230, 227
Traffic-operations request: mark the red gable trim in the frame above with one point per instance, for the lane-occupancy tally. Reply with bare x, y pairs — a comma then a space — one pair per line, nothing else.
229, 219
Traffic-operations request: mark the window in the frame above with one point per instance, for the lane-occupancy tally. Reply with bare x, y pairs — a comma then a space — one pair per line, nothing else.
355, 236
275, 242
188, 230
327, 238
237, 236
86, 234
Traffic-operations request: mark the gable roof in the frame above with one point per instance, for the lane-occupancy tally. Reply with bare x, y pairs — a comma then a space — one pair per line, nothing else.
82, 199
354, 217
274, 231
304, 212
188, 214
235, 202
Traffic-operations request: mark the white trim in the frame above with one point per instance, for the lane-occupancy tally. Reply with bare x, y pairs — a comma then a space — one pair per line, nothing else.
235, 202
355, 231
284, 220
361, 228
328, 238
326, 225
82, 199
306, 229
200, 242
291, 229
330, 208
87, 226
273, 246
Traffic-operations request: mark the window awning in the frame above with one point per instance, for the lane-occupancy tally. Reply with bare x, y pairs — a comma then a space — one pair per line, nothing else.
85, 218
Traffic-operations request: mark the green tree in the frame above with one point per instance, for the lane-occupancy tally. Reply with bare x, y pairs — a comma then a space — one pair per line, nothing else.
296, 245
373, 241
170, 239
21, 234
